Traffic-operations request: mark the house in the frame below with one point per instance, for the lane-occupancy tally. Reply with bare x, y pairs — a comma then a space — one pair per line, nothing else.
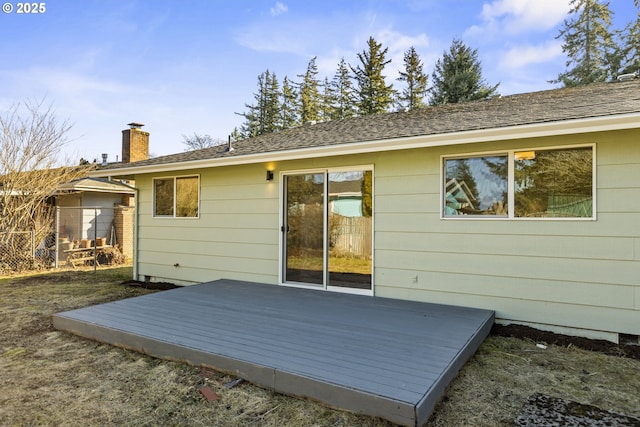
524, 204
96, 207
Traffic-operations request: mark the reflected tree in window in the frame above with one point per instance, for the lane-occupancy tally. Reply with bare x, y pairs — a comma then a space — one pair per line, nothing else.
176, 197
554, 183
187, 197
163, 197
476, 186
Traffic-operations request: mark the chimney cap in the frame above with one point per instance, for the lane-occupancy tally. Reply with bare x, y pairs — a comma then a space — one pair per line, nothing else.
135, 125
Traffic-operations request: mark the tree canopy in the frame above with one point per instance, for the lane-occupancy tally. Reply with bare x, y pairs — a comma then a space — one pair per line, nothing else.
458, 77
412, 96
592, 55
374, 95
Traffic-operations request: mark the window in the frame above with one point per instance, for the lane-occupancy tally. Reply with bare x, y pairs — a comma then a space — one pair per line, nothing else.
176, 197
476, 186
545, 183
554, 183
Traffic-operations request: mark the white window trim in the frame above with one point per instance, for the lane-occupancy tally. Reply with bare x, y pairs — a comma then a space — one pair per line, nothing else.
511, 184
174, 177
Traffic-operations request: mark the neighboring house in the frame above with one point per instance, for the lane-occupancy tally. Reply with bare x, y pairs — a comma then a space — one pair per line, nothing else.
551, 236
96, 207
102, 207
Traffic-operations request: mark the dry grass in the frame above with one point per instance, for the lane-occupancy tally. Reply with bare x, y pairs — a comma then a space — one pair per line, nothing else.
53, 378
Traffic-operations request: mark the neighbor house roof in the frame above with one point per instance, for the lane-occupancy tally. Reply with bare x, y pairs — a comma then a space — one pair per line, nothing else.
597, 107
98, 185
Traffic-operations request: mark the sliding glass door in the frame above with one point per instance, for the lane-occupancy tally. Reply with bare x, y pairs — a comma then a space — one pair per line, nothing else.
303, 228
327, 229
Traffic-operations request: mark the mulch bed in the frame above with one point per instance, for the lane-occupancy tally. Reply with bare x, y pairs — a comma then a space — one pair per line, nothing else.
543, 410
519, 331
161, 286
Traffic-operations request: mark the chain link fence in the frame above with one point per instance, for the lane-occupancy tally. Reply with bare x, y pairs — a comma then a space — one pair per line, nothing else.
77, 237
94, 236
17, 251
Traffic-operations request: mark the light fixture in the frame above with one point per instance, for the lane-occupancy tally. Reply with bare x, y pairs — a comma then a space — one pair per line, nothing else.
269, 175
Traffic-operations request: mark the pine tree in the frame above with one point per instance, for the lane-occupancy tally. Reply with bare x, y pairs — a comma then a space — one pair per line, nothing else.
327, 101
630, 46
458, 77
413, 95
342, 89
374, 96
262, 117
272, 104
588, 43
288, 105
310, 94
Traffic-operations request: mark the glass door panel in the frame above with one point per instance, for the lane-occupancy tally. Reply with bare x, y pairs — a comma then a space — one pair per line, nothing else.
304, 228
349, 239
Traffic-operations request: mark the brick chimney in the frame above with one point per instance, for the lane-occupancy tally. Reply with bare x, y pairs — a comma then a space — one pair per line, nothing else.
135, 143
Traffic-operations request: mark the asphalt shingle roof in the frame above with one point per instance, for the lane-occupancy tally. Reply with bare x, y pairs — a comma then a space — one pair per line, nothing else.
597, 100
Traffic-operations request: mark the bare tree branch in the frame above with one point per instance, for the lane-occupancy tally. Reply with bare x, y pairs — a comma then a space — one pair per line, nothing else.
31, 143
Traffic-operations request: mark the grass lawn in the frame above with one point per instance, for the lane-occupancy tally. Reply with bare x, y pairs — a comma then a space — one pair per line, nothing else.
54, 378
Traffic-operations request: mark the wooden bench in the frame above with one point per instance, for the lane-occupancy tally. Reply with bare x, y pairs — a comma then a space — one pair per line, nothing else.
81, 255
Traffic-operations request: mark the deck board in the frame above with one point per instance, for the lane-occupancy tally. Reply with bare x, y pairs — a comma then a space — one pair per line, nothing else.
377, 356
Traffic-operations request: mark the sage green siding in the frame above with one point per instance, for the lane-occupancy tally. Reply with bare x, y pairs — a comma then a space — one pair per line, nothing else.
581, 274
574, 273
235, 236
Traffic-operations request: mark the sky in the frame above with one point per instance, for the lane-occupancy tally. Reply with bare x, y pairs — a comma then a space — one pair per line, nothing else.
189, 66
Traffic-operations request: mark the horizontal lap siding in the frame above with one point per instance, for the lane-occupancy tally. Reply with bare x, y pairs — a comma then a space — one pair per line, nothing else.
235, 236
581, 274
237, 233
575, 273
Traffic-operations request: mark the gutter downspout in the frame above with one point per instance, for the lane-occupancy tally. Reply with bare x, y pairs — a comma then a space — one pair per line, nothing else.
135, 234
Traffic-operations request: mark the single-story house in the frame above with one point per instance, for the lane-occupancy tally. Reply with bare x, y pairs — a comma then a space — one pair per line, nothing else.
96, 207
526, 204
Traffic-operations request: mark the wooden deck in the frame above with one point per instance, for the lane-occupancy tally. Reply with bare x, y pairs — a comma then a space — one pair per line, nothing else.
377, 356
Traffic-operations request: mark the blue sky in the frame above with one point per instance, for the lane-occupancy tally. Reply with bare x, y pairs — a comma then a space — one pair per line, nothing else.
186, 66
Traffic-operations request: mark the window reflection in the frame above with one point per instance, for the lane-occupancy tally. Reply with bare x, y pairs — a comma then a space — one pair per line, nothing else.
554, 183
476, 186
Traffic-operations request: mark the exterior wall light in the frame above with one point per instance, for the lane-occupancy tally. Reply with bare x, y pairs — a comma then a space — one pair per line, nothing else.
269, 175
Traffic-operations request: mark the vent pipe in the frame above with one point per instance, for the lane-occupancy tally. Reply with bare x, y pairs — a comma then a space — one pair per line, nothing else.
229, 146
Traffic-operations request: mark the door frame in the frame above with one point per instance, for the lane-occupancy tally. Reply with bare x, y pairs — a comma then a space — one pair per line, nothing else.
281, 235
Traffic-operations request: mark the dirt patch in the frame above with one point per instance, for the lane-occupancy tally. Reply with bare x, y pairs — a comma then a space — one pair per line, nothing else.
543, 410
601, 346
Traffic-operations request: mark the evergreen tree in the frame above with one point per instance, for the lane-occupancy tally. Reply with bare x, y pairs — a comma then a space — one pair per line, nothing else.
630, 49
342, 90
236, 135
458, 77
588, 43
413, 95
373, 95
262, 117
288, 105
310, 94
327, 101
272, 104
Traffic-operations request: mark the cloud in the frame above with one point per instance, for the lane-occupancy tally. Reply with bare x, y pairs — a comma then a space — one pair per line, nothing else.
398, 43
522, 56
513, 17
278, 9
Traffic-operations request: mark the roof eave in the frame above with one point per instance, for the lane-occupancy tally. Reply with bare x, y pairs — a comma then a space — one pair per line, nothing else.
564, 127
